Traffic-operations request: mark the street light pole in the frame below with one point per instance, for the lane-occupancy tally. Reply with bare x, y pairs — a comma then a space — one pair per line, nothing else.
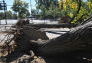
31, 11
30, 6
5, 8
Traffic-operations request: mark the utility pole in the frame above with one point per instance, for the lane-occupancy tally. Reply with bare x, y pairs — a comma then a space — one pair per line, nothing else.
31, 10
30, 6
5, 8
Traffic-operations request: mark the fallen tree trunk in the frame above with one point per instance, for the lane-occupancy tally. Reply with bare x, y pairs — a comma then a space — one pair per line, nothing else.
78, 39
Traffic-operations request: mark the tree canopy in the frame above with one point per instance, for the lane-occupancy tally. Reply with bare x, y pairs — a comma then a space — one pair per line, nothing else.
71, 11
21, 8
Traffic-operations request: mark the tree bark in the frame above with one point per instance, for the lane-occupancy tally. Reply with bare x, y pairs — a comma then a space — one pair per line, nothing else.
78, 39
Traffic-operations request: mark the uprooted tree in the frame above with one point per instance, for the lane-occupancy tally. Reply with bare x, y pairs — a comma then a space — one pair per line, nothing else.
77, 40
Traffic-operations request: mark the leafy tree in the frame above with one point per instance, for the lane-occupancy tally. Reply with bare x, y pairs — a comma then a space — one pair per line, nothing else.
34, 12
21, 8
45, 3
1, 15
48, 8
70, 11
9, 15
77, 10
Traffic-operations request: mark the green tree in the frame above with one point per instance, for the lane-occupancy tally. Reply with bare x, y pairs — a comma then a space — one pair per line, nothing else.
70, 11
48, 8
77, 10
34, 12
9, 15
21, 8
1, 15
45, 3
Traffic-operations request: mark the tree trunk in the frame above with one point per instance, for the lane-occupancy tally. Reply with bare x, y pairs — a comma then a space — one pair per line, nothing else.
78, 39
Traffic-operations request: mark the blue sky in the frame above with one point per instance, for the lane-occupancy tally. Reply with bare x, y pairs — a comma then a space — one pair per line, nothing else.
10, 3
